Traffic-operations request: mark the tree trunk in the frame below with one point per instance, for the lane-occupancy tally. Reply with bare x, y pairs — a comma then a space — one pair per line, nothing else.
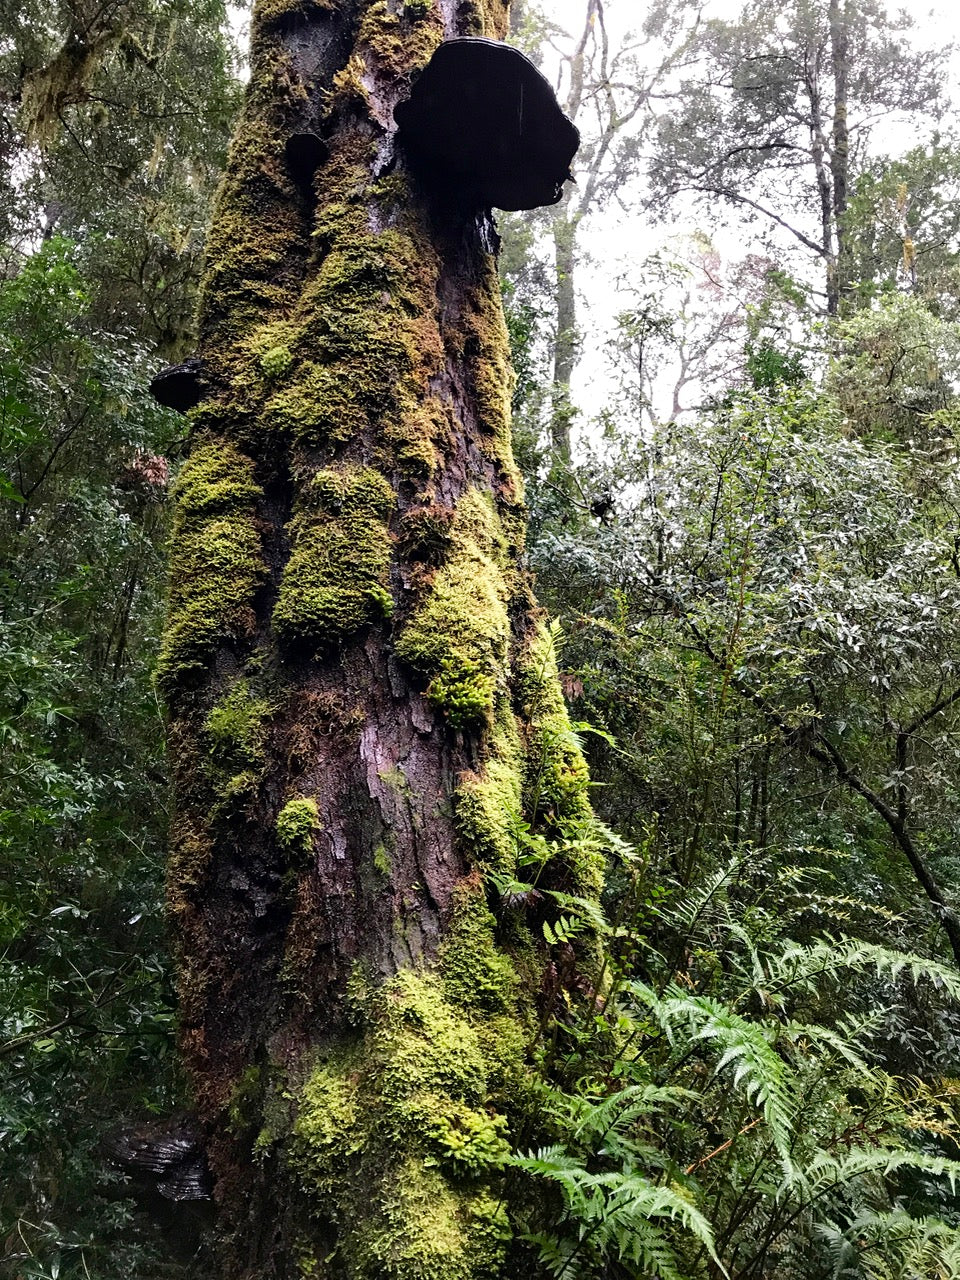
840, 142
363, 698
566, 342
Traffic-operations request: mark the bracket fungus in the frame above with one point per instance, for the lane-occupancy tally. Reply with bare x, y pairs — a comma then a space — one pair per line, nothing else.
483, 126
179, 386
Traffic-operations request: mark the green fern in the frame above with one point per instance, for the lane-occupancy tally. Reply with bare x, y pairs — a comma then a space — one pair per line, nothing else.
617, 1216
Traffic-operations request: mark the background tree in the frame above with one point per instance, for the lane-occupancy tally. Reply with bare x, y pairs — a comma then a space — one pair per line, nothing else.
109, 156
778, 115
607, 90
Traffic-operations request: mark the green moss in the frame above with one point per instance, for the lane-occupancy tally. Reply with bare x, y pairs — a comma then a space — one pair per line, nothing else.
382, 860
395, 1131
475, 973
330, 1129
216, 560
336, 580
428, 1230
275, 362
236, 795
297, 823
244, 1104
467, 1142
459, 634
462, 691
557, 780
397, 47
235, 728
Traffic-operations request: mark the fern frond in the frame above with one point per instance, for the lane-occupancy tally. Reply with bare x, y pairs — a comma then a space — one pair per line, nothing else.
826, 1171
746, 1047
618, 1214
893, 1246
803, 966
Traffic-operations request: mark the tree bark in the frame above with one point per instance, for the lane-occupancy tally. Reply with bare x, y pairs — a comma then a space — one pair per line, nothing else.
566, 343
840, 141
363, 697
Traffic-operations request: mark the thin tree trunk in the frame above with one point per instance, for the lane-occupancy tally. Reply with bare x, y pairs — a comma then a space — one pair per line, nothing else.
362, 695
840, 140
819, 149
566, 343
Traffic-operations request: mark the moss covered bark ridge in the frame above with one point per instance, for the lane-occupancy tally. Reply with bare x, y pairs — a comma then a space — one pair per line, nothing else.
336, 579
216, 563
359, 714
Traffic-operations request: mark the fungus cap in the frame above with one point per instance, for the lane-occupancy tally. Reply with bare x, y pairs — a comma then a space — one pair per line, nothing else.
484, 126
179, 386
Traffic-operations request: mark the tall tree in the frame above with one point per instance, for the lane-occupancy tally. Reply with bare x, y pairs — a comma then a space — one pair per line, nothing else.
777, 115
367, 729
607, 85
106, 138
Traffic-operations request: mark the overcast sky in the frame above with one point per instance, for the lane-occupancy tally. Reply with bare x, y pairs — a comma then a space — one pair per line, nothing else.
617, 242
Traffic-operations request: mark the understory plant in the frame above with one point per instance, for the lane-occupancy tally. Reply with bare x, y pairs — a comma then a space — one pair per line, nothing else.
732, 1109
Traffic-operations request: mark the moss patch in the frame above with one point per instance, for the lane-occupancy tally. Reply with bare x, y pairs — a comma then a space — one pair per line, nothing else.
297, 823
336, 580
475, 973
397, 1133
235, 729
556, 778
459, 634
216, 561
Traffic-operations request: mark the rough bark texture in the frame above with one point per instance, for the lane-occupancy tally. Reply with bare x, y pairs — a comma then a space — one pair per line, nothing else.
363, 698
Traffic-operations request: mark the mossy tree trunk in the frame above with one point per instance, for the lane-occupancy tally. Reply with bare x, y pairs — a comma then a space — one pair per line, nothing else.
363, 698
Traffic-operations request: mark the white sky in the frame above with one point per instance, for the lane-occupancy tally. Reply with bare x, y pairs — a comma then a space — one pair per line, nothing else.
616, 243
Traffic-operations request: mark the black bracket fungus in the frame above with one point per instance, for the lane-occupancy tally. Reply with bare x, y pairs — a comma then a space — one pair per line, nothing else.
179, 386
168, 1177
484, 127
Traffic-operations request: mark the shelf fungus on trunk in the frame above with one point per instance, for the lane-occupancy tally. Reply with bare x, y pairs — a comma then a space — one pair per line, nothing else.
484, 127
179, 386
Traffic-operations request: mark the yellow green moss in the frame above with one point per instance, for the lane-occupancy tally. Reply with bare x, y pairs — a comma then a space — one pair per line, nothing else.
557, 774
396, 1131
275, 362
458, 635
235, 728
404, 42
297, 822
475, 973
216, 560
428, 1230
336, 580
382, 860
363, 341
557, 780
257, 233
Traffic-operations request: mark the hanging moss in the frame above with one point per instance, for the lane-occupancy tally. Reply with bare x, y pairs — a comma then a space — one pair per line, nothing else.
216, 561
336, 580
